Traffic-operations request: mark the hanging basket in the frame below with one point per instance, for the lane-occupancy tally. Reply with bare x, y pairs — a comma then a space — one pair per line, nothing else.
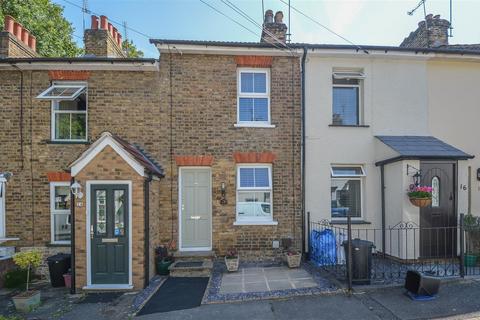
421, 202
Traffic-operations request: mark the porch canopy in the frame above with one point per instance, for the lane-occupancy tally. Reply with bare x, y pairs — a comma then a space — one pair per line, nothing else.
420, 148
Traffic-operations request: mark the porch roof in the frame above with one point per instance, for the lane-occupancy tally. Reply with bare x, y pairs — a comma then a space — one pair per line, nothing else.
420, 147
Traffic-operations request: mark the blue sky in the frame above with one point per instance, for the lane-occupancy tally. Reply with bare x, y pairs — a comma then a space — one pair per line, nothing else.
375, 22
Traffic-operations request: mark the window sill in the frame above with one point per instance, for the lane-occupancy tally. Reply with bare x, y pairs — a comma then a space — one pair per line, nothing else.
253, 125
8, 239
344, 221
66, 142
350, 125
255, 223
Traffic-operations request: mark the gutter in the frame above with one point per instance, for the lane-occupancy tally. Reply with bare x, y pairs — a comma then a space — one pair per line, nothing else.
304, 58
400, 158
146, 206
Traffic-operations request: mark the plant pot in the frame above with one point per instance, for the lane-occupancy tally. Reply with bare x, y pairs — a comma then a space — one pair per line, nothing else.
67, 277
293, 260
470, 260
232, 264
421, 202
162, 267
26, 301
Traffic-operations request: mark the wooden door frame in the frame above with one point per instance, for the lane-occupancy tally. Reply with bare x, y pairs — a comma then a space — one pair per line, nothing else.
89, 285
209, 248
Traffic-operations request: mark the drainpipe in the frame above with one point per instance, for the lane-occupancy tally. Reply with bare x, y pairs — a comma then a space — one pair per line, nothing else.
72, 237
304, 58
146, 197
382, 185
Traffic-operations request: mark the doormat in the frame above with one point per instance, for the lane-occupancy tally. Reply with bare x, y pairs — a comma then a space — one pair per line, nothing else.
176, 294
101, 297
189, 264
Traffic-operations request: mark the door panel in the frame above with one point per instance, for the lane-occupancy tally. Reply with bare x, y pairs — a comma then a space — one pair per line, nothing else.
438, 221
196, 208
109, 234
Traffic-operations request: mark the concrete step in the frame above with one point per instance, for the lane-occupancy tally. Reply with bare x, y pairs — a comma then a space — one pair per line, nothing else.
193, 255
191, 268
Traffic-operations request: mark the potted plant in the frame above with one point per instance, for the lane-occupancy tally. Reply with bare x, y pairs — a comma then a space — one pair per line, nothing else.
420, 196
67, 277
232, 260
294, 257
163, 260
471, 225
27, 300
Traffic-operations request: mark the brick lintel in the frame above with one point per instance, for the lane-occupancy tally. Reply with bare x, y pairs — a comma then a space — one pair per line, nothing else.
201, 161
254, 61
254, 157
58, 176
78, 75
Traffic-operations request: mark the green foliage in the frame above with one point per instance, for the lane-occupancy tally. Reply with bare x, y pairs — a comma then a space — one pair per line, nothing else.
28, 259
131, 49
45, 21
10, 318
471, 222
15, 279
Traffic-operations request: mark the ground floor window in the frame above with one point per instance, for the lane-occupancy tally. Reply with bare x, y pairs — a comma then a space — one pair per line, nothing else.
254, 193
346, 191
60, 212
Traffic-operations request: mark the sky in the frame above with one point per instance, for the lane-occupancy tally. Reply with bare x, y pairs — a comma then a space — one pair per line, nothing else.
364, 22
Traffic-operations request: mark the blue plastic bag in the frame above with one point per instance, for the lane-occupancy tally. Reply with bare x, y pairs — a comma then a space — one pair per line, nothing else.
323, 247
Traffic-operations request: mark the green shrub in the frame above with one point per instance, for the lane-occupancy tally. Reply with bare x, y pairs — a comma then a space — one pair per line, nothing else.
15, 279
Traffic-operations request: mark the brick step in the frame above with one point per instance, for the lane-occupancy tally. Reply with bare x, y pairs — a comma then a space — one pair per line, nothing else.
191, 268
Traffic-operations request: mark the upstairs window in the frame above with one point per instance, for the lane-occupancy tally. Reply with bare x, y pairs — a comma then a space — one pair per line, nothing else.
69, 111
346, 191
347, 98
253, 106
254, 193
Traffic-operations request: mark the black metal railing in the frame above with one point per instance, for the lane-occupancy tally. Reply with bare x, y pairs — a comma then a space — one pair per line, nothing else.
437, 251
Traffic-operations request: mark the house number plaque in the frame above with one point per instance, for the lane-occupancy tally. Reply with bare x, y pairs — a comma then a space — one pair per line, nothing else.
79, 204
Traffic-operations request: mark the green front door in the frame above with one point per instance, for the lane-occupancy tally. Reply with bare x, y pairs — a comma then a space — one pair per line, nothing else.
109, 234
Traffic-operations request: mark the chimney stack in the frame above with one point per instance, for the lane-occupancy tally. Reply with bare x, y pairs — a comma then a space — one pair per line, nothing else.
431, 33
103, 39
16, 41
274, 30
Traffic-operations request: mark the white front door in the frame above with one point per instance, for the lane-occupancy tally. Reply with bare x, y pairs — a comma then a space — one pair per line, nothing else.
195, 209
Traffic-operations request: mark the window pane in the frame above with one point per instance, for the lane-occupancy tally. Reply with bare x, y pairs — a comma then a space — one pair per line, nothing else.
345, 198
347, 171
62, 198
261, 177
260, 109
246, 109
247, 178
101, 212
345, 106
79, 104
79, 122
246, 82
62, 126
119, 213
254, 204
61, 227
260, 83
435, 192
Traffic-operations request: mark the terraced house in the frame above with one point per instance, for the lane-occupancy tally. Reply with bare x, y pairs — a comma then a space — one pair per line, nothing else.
108, 157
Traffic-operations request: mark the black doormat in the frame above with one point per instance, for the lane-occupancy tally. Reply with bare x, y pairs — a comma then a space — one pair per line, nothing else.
176, 294
189, 264
101, 297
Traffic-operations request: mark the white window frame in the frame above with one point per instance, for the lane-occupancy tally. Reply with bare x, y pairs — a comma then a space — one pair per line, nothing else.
3, 215
80, 88
255, 220
55, 103
359, 177
345, 75
54, 211
240, 94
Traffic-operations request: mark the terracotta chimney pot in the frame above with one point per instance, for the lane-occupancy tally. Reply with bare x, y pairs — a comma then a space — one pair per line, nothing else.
17, 30
94, 22
103, 22
114, 33
119, 40
32, 43
25, 36
9, 23
110, 28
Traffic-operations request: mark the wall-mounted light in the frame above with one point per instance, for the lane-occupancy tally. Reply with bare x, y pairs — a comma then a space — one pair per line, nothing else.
77, 190
223, 194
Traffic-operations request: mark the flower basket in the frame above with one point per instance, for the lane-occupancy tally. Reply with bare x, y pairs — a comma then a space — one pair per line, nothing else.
293, 259
232, 263
421, 202
26, 301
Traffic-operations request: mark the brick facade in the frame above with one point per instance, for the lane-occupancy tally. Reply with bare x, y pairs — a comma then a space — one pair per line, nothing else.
12, 47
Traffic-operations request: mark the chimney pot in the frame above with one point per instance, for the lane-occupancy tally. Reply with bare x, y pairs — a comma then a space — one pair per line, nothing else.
32, 42
94, 22
115, 33
110, 28
268, 16
429, 16
25, 36
279, 17
119, 40
103, 22
17, 30
9, 23
436, 17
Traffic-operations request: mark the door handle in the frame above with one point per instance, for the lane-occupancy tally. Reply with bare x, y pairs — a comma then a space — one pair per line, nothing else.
109, 240
195, 217
91, 231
